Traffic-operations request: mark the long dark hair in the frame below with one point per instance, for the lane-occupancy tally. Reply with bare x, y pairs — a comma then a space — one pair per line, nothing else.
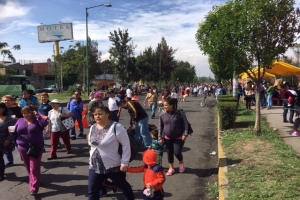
5, 111
171, 101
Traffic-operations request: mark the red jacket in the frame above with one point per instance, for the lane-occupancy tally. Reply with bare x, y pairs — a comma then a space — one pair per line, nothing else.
153, 173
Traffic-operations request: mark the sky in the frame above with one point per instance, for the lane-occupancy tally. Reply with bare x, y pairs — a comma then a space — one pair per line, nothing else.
147, 22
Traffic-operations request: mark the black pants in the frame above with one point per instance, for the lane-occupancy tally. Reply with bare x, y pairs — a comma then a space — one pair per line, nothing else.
113, 115
174, 147
176, 104
2, 165
119, 179
248, 101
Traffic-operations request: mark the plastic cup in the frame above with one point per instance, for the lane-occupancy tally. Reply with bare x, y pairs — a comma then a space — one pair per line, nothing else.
11, 129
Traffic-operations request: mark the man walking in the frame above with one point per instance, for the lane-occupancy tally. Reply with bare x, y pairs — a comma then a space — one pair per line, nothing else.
113, 106
139, 117
75, 105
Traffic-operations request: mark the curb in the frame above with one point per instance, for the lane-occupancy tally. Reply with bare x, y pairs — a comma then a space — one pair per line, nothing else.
222, 179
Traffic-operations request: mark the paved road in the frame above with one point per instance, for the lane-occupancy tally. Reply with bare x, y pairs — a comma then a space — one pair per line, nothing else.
66, 177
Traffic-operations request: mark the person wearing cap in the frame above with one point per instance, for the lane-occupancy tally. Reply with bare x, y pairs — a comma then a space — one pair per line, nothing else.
114, 106
57, 129
139, 117
96, 102
75, 105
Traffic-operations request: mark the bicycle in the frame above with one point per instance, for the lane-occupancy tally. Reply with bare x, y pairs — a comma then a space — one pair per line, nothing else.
203, 101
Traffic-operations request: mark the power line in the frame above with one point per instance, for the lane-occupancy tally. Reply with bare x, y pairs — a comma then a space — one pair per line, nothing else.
101, 9
67, 6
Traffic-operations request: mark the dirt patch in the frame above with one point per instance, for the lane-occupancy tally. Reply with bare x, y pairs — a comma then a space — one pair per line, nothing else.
253, 152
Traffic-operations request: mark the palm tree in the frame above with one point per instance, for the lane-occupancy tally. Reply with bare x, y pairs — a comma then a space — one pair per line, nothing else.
5, 51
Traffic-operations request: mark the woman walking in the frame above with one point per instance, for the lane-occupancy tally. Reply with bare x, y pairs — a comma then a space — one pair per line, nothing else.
152, 101
173, 129
29, 131
14, 111
249, 95
6, 139
57, 129
105, 162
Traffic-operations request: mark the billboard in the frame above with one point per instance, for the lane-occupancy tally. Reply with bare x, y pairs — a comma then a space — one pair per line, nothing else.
55, 32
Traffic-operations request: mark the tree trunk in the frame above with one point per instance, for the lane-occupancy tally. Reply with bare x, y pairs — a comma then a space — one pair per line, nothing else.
257, 127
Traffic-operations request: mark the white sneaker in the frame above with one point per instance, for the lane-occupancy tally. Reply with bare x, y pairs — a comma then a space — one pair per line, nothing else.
295, 133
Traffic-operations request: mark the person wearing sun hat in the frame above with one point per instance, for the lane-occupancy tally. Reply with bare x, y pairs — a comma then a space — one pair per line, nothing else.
57, 129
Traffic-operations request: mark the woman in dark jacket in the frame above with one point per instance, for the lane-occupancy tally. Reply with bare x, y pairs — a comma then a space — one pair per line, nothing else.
6, 139
173, 129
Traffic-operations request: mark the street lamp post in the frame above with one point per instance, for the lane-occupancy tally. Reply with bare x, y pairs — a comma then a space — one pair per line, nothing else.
87, 43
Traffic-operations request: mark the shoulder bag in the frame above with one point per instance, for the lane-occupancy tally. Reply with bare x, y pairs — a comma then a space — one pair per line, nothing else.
32, 151
68, 122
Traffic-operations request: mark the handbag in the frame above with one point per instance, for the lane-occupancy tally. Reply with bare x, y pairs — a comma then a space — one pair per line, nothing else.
68, 122
33, 151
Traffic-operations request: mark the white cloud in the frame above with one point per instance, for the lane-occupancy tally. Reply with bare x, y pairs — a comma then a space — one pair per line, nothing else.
146, 27
12, 10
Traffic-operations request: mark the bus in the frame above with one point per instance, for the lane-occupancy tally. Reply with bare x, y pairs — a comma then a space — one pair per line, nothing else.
14, 85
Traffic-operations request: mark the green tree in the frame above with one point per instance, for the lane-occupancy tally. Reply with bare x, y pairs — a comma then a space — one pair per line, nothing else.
258, 32
184, 72
121, 54
167, 62
183, 75
148, 65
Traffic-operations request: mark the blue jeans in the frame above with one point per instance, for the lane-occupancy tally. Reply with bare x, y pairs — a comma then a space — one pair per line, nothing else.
285, 111
270, 101
153, 107
9, 157
73, 133
262, 100
142, 133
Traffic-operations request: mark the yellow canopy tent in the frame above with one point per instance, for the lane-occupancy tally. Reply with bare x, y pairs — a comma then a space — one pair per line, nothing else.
255, 70
283, 69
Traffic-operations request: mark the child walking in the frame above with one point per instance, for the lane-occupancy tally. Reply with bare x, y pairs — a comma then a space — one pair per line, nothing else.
157, 146
154, 176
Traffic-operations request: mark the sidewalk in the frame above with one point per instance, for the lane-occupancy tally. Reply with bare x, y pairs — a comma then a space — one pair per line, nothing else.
284, 130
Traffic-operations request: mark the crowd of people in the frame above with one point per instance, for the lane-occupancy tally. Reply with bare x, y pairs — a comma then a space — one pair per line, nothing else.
285, 95
24, 123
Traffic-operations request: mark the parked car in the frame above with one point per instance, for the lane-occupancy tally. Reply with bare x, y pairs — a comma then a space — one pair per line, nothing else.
40, 90
50, 89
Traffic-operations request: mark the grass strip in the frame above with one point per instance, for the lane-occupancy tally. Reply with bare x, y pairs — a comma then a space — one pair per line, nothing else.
259, 167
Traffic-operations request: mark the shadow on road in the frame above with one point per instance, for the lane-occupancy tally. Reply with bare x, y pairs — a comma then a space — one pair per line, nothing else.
201, 172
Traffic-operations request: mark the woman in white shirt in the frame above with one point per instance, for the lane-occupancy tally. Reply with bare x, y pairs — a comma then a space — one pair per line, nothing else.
105, 162
57, 129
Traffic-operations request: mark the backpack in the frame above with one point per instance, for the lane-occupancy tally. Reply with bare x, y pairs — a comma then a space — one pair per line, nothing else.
134, 145
190, 129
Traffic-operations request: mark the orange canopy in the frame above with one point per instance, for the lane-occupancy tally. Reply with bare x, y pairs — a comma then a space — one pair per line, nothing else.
283, 69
